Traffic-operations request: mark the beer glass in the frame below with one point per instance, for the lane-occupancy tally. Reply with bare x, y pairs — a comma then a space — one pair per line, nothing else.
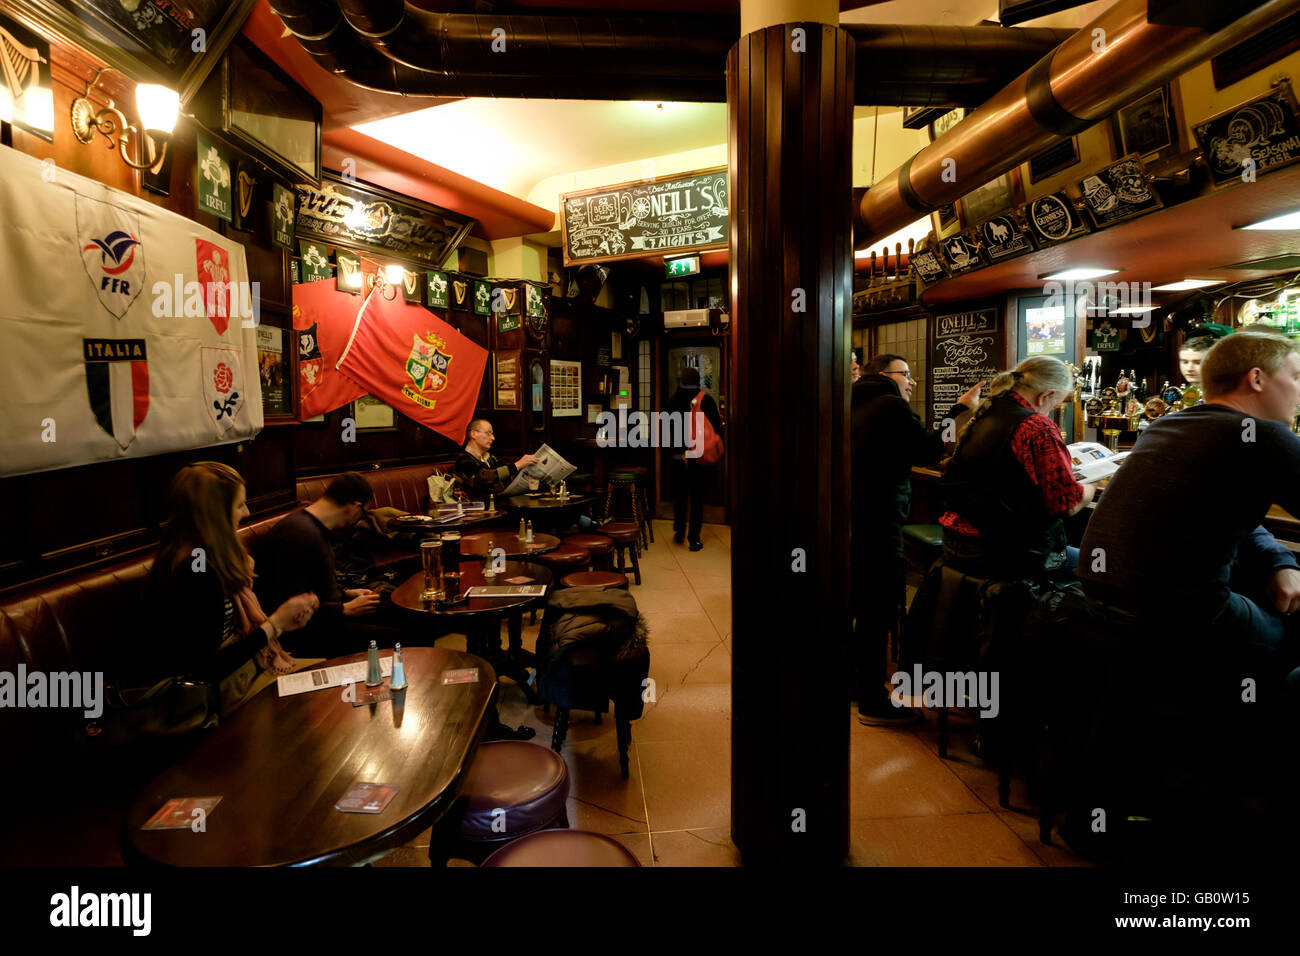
451, 564
431, 561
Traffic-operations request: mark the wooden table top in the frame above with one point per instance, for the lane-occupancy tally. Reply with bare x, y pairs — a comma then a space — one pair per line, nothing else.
545, 502
280, 764
407, 595
472, 519
509, 542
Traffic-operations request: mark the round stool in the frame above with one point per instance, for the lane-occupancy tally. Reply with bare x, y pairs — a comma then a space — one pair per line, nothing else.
626, 537
563, 848
642, 483
512, 789
565, 559
605, 580
601, 546
629, 481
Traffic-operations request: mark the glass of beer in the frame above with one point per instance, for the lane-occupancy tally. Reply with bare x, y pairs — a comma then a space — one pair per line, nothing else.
451, 564
431, 561
532, 483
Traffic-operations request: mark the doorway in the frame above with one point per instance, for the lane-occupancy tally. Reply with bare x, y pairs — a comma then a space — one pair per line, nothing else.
707, 353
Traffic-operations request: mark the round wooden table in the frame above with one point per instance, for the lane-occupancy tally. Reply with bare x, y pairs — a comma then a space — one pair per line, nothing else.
547, 511
510, 542
423, 524
280, 764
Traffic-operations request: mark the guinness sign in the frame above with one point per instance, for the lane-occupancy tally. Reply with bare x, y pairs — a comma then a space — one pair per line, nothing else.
1053, 219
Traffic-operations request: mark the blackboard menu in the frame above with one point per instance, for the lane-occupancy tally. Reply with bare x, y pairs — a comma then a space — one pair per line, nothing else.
967, 347
1264, 131
683, 214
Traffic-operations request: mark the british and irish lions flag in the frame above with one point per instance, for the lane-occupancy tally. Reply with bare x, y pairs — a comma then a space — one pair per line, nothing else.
111, 346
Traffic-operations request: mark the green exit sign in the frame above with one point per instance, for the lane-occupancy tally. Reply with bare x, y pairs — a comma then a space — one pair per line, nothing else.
683, 267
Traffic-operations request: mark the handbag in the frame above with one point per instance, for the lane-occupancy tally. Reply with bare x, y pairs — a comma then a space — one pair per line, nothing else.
172, 708
441, 489
706, 439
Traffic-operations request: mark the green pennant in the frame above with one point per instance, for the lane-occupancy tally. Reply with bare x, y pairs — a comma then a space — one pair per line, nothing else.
437, 294
482, 298
282, 216
315, 261
213, 180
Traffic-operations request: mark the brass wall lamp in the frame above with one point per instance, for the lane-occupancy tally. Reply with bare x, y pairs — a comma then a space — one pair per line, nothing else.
158, 107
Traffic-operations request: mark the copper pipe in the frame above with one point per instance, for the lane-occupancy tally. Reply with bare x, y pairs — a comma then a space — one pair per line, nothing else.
1067, 91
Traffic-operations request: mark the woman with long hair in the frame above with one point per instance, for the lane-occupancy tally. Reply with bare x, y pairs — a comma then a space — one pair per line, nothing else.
209, 625
1010, 482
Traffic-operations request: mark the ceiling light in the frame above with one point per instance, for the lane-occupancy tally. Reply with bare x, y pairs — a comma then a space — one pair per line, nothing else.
1290, 220
1078, 275
1186, 284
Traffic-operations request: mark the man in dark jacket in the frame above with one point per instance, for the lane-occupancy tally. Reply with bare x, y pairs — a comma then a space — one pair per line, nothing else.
888, 439
690, 478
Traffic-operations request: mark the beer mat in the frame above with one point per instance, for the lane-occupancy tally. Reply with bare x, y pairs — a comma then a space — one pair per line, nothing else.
367, 695
519, 579
461, 675
367, 798
501, 591
178, 813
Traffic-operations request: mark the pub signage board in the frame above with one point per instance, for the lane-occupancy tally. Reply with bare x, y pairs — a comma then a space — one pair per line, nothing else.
369, 219
967, 347
1120, 191
686, 213
929, 266
1053, 218
962, 254
1258, 137
1004, 237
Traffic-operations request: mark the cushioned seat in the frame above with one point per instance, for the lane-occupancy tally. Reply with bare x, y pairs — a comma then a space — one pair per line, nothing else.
563, 848
529, 783
926, 535
601, 546
565, 558
627, 544
605, 580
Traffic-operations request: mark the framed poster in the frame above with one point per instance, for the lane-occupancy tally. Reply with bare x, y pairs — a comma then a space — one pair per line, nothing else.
566, 389
506, 382
273, 368
1147, 127
370, 414
151, 41
1260, 136
270, 115
989, 199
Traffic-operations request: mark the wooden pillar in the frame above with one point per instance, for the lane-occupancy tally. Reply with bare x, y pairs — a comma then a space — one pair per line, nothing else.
790, 122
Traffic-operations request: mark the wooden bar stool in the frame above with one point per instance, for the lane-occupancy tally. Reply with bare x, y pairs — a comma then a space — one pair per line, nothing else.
604, 580
563, 848
642, 476
564, 560
627, 538
627, 481
600, 546
512, 789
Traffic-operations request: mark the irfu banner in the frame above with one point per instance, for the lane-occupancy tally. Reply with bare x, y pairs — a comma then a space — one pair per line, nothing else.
213, 180
282, 216
315, 261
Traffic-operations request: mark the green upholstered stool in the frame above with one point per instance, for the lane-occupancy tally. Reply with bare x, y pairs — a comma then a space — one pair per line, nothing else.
922, 546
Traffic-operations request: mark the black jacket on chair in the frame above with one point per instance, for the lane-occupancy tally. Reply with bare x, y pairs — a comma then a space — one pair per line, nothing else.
591, 649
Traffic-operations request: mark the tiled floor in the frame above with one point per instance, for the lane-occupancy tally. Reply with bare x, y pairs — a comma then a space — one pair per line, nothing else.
909, 808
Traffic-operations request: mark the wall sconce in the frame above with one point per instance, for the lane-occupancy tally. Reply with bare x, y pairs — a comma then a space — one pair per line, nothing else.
158, 107
388, 280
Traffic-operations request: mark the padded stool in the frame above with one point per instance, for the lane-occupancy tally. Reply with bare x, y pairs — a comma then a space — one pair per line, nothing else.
626, 537
566, 559
513, 788
642, 483
604, 580
563, 848
922, 545
583, 481
600, 546
628, 481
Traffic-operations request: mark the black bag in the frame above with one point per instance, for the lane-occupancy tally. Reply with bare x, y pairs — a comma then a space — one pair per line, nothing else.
171, 709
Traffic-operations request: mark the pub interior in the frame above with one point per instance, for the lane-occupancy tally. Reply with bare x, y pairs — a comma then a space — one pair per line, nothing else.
649, 434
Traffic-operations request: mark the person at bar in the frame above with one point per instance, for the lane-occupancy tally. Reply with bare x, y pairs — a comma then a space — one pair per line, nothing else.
888, 439
298, 555
691, 479
1191, 355
1010, 481
480, 473
1141, 554
208, 623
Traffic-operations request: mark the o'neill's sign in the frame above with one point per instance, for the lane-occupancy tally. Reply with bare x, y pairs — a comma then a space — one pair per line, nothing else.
683, 214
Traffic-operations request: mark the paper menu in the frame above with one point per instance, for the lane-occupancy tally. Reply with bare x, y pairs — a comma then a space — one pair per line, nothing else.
322, 677
1093, 461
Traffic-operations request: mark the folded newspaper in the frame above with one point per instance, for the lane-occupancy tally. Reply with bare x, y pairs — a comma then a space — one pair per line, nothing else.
1092, 461
550, 466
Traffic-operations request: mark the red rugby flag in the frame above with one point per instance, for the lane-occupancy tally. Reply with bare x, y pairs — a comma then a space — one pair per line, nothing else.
417, 363
323, 319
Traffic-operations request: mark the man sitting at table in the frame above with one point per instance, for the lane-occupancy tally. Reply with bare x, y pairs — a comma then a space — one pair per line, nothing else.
297, 556
1221, 583
480, 472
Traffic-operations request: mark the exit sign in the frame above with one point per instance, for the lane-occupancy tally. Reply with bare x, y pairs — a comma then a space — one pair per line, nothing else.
688, 266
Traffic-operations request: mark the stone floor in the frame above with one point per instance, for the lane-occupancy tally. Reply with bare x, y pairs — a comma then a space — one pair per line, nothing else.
909, 808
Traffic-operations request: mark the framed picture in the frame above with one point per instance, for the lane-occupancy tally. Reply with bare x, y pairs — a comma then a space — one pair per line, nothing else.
270, 115
945, 220
945, 122
25, 80
370, 414
566, 389
989, 199
506, 382
1054, 159
151, 41
274, 370
1147, 127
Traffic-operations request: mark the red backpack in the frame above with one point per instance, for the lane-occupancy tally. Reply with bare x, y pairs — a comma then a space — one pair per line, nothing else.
707, 440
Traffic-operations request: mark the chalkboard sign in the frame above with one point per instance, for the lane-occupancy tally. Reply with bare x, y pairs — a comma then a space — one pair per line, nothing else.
1118, 192
1262, 134
966, 347
683, 214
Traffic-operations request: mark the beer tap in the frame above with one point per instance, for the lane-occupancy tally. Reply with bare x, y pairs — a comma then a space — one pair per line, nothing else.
873, 269
911, 247
898, 260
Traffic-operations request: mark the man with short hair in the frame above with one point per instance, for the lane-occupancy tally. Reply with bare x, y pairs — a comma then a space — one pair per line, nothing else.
888, 439
480, 473
297, 555
1191, 355
1222, 575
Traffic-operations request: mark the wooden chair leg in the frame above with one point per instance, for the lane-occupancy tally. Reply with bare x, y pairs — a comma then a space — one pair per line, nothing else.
636, 566
624, 741
561, 728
